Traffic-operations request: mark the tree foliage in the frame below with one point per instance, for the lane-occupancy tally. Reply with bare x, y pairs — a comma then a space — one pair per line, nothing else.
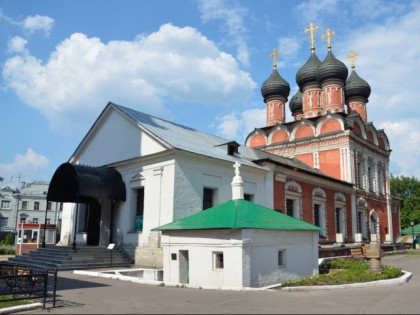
408, 190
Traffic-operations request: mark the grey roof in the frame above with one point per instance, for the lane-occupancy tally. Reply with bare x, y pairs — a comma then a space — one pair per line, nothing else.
191, 140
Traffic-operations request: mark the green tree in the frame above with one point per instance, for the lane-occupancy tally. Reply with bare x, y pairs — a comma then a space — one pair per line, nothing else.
407, 189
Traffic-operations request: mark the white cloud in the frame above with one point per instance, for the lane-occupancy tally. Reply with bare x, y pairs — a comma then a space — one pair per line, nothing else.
83, 74
17, 44
237, 126
316, 10
389, 60
34, 23
232, 14
404, 137
27, 165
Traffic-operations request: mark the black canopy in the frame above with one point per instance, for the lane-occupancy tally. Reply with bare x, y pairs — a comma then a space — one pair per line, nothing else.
81, 183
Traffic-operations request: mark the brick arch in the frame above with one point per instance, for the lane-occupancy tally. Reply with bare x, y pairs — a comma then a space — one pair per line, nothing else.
304, 131
357, 130
381, 143
330, 126
369, 136
257, 140
279, 136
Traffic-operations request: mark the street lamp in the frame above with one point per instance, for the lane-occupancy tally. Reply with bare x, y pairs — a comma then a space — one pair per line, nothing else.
412, 231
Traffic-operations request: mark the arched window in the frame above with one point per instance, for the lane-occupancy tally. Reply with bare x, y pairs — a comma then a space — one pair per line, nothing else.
319, 210
293, 197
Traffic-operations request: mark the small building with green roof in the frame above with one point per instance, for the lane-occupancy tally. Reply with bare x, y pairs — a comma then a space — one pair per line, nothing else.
238, 244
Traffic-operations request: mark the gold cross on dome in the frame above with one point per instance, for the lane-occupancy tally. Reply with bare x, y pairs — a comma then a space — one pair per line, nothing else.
328, 34
352, 57
274, 56
311, 30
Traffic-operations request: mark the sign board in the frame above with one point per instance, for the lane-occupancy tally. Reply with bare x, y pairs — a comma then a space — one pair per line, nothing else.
111, 246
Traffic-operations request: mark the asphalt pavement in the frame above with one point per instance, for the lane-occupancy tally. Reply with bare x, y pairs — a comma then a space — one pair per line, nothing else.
83, 294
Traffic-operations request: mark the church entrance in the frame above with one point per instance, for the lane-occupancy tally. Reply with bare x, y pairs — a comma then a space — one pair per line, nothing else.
93, 223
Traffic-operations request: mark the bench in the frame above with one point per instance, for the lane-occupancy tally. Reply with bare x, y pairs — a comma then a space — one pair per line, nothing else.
357, 252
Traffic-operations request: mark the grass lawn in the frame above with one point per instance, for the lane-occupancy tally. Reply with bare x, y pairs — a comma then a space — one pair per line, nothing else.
347, 271
12, 303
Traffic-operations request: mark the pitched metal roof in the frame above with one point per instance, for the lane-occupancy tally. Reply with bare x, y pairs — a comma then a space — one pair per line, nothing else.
239, 214
191, 140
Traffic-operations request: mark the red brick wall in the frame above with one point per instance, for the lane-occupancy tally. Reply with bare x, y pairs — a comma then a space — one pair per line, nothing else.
307, 206
329, 162
307, 158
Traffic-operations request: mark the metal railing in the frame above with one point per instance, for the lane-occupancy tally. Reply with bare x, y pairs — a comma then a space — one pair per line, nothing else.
24, 282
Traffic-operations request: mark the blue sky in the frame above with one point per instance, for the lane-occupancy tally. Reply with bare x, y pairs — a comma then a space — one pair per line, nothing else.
196, 63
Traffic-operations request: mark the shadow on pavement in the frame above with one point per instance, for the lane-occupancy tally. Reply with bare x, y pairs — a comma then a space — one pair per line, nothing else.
64, 283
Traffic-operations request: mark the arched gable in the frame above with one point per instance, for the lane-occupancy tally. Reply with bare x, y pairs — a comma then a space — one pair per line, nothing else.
280, 134
372, 134
256, 139
383, 140
302, 130
359, 128
329, 123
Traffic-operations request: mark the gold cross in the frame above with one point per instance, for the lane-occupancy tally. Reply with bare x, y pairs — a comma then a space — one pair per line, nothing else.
352, 57
311, 30
274, 56
328, 34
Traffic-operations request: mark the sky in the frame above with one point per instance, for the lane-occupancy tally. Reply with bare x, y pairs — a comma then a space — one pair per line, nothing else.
199, 63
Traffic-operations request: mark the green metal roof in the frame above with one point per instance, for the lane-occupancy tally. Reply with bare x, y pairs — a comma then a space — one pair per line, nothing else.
409, 230
239, 214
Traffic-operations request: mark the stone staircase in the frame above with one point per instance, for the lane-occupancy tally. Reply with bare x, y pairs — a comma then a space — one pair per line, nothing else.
65, 258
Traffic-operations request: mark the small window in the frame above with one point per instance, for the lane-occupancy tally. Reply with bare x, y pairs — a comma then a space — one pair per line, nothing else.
5, 204
49, 205
208, 195
218, 262
281, 258
173, 256
139, 209
35, 220
248, 197
24, 205
36, 205
48, 221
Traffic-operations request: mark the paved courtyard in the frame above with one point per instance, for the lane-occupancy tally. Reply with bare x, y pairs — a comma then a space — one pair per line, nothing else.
82, 294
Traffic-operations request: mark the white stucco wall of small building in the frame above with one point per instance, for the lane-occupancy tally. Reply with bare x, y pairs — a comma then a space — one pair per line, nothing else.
250, 256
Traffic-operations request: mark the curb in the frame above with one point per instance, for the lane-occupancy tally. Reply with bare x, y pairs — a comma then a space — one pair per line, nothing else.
20, 308
276, 287
401, 280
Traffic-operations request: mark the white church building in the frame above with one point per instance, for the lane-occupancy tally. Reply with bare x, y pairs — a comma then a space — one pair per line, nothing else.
133, 172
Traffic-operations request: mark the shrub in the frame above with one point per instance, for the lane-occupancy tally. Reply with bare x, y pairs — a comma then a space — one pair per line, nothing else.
7, 250
353, 271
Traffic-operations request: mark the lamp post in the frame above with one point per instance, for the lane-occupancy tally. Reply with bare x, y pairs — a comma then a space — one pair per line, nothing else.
412, 231
45, 225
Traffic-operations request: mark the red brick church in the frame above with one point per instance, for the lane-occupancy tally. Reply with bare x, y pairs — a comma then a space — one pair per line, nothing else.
331, 134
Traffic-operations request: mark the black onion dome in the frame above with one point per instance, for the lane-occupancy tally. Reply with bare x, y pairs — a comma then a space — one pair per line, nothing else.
356, 87
331, 69
307, 73
275, 86
295, 103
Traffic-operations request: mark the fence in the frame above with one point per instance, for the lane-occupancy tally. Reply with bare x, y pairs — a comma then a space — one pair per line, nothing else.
20, 282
